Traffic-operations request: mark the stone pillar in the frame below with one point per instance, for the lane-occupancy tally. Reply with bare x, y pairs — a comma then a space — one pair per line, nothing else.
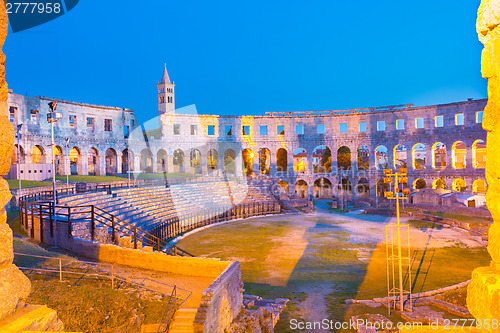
102, 165
289, 161
468, 158
119, 163
136, 163
14, 285
85, 165
484, 290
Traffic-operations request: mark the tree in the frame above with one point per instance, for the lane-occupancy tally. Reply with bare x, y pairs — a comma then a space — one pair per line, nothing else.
344, 158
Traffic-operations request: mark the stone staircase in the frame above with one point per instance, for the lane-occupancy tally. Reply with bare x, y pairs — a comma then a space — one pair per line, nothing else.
183, 320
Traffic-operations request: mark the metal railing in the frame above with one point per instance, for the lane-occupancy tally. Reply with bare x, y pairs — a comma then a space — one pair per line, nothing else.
87, 269
43, 213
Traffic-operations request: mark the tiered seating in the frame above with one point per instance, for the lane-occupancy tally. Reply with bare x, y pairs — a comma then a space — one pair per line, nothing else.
147, 206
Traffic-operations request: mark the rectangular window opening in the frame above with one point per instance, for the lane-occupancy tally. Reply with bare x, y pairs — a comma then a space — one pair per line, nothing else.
419, 122
343, 128
299, 129
263, 130
459, 119
400, 124
362, 126
280, 129
211, 129
381, 125
439, 121
177, 129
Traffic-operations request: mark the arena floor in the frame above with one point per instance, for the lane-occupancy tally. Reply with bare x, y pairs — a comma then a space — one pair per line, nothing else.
321, 259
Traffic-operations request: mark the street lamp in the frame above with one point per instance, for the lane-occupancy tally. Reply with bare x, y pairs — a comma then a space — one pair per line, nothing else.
18, 136
69, 161
52, 117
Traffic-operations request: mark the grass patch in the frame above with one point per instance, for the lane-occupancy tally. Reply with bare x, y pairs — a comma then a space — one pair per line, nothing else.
461, 218
92, 305
14, 183
15, 224
419, 224
90, 179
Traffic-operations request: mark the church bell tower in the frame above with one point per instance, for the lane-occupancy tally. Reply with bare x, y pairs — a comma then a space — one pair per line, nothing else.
166, 94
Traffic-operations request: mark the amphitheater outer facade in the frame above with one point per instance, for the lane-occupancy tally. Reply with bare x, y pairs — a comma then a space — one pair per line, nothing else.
454, 125
440, 142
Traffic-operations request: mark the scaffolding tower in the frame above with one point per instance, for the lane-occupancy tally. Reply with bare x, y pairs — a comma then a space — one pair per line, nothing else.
396, 259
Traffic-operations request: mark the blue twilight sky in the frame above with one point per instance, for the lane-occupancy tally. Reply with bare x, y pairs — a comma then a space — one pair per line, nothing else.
248, 57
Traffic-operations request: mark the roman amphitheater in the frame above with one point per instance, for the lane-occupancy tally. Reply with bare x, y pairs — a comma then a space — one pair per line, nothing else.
233, 224
303, 153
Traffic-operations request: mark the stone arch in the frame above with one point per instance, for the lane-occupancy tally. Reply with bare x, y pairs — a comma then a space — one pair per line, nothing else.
283, 187
15, 159
459, 185
38, 155
281, 160
59, 160
264, 161
439, 183
381, 188
322, 159
161, 161
344, 158
419, 158
300, 160
479, 186
459, 155
93, 162
146, 160
195, 161
439, 155
381, 157
363, 158
479, 154
419, 183
230, 162
301, 188
75, 161
363, 188
322, 188
111, 162
178, 160
212, 160
248, 156
400, 156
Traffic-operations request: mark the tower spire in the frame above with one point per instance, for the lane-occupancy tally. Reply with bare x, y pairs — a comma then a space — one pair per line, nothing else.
165, 78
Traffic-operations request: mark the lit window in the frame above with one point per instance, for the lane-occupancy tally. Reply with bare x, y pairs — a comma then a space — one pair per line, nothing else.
381, 125
438, 121
459, 119
343, 128
299, 129
479, 117
108, 124
211, 129
72, 121
321, 129
280, 129
177, 129
228, 130
193, 130
263, 130
400, 124
245, 130
362, 126
419, 122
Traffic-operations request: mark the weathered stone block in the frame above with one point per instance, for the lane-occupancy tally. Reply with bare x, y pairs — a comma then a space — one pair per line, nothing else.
483, 294
14, 285
6, 251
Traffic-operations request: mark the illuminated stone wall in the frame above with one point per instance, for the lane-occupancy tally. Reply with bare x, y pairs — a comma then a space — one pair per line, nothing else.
14, 286
483, 299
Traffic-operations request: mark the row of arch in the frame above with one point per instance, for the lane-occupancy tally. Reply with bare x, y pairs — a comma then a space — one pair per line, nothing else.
458, 185
323, 188
321, 159
40, 155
